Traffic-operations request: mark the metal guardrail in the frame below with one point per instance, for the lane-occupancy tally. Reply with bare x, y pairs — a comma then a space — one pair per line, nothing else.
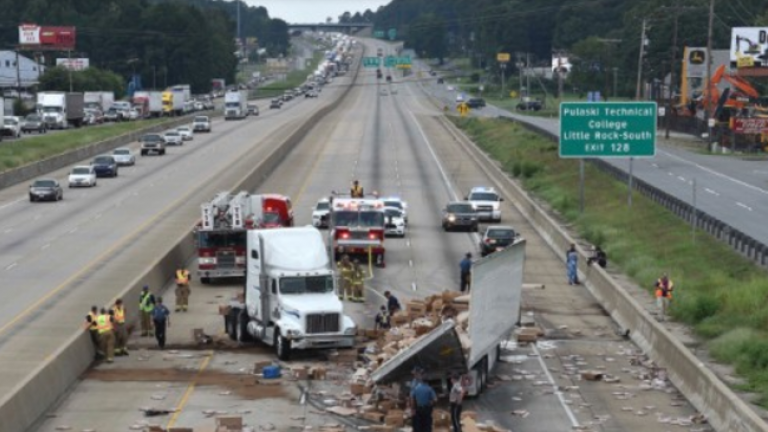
739, 241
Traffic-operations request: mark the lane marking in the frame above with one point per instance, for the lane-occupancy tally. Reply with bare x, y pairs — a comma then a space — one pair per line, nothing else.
655, 165
45, 246
555, 387
410, 263
708, 190
716, 173
73, 230
670, 174
413, 286
11, 203
11, 266
743, 206
7, 230
681, 178
446, 181
190, 388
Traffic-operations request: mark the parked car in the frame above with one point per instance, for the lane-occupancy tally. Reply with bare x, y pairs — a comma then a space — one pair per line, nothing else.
496, 238
173, 138
476, 103
185, 132
124, 156
12, 127
394, 222
105, 166
201, 124
45, 189
112, 115
133, 114
82, 175
530, 105
34, 123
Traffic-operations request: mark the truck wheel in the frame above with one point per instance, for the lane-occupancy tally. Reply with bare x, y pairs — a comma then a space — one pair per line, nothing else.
229, 325
282, 346
205, 280
241, 327
484, 374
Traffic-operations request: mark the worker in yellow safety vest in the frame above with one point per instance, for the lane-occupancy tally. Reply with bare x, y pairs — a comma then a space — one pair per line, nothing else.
91, 326
146, 305
356, 191
357, 278
182, 289
345, 268
104, 325
121, 333
664, 287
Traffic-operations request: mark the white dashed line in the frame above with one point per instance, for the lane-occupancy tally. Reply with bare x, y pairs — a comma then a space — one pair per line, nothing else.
708, 190
7, 230
45, 246
655, 165
73, 230
410, 263
681, 178
10, 203
413, 286
11, 266
744, 206
669, 173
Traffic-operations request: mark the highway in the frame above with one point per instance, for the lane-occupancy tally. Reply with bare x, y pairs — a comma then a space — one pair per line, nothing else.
729, 188
57, 259
395, 145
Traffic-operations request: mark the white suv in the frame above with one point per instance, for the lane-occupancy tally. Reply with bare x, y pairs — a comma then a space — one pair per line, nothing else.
320, 213
486, 202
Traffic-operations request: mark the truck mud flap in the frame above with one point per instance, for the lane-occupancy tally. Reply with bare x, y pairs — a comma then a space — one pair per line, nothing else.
438, 352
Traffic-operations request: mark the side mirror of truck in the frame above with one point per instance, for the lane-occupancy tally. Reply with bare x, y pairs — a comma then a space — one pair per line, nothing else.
501, 199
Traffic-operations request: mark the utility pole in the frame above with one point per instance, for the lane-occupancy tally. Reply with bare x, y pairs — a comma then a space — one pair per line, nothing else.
560, 76
528, 75
503, 67
707, 101
672, 62
615, 81
640, 62
69, 69
239, 36
18, 75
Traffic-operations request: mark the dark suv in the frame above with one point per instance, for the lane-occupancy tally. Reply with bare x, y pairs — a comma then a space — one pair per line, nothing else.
460, 215
496, 238
105, 166
152, 143
476, 103
531, 105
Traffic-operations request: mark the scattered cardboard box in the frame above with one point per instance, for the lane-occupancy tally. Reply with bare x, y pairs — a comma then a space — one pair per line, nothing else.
230, 423
592, 375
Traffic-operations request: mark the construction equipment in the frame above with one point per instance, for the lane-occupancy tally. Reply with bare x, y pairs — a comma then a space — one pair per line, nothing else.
741, 95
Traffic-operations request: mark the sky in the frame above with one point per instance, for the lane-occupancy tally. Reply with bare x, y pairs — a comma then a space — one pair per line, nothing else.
314, 11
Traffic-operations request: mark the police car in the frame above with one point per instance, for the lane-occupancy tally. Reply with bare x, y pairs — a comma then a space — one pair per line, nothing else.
321, 212
486, 202
397, 203
394, 223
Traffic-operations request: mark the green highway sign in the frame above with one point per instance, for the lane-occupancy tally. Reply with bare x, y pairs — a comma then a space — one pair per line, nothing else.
371, 62
607, 129
392, 61
392, 33
379, 34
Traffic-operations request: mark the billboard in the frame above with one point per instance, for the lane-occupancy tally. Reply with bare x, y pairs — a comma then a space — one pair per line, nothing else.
561, 63
33, 36
750, 125
75, 64
749, 47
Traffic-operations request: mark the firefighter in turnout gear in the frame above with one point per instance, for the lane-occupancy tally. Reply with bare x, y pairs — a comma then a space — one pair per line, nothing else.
105, 323
146, 305
356, 191
345, 268
357, 280
182, 289
121, 333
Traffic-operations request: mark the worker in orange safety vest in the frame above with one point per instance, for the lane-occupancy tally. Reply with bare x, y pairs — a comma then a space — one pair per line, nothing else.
182, 289
664, 287
92, 326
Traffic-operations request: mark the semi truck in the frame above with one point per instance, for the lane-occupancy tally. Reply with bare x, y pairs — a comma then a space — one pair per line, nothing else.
291, 300
235, 104
99, 100
150, 103
494, 311
218, 86
173, 103
61, 110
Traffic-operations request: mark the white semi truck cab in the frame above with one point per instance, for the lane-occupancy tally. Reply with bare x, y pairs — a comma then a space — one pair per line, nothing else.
291, 301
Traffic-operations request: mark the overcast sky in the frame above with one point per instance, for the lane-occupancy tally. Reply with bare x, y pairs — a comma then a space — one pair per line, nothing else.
313, 11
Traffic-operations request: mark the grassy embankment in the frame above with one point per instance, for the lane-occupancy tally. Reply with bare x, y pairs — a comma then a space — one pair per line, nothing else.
15, 153
719, 294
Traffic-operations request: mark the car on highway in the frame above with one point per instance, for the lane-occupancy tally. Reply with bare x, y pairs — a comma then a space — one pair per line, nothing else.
33, 123
275, 104
476, 103
199, 106
201, 124
394, 222
173, 138
133, 114
12, 126
45, 189
384, 92
287, 96
152, 143
105, 166
124, 156
310, 94
112, 115
82, 175
460, 215
253, 109
496, 238
321, 212
529, 105
186, 133
486, 202
440, 81
397, 203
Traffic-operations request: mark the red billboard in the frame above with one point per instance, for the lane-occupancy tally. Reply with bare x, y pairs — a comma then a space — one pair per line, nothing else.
33, 36
750, 125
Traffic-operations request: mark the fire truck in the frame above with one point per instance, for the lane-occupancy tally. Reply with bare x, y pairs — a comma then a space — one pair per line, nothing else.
357, 227
220, 236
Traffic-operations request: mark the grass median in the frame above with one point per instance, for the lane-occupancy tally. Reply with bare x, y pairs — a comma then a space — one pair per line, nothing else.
31, 149
718, 293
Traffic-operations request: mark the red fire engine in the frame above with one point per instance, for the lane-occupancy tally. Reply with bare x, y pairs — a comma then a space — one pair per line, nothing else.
357, 227
221, 234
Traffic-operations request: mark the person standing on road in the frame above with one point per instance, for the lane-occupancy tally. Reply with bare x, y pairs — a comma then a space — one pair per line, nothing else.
393, 304
465, 266
382, 320
161, 317
105, 323
356, 191
423, 398
121, 333
92, 324
182, 289
664, 287
456, 398
146, 305
345, 268
572, 265
357, 281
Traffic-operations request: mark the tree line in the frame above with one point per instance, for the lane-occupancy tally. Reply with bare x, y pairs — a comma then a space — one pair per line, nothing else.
601, 37
166, 42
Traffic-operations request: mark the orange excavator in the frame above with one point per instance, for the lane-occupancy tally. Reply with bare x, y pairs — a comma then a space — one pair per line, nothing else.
741, 95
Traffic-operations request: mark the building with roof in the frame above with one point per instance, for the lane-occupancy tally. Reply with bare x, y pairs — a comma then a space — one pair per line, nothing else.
28, 71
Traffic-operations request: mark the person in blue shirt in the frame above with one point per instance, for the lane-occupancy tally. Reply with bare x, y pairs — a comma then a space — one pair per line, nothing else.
393, 304
423, 398
161, 317
466, 272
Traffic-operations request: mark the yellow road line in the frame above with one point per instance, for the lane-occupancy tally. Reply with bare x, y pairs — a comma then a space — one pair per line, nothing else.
189, 391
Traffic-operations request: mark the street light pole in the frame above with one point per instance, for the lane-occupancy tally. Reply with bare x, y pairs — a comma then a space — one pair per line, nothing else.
668, 114
503, 67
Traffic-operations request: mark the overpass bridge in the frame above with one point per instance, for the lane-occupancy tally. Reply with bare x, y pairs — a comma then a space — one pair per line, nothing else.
347, 28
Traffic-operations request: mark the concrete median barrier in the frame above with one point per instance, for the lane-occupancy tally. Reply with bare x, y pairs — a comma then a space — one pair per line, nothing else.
725, 411
30, 400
